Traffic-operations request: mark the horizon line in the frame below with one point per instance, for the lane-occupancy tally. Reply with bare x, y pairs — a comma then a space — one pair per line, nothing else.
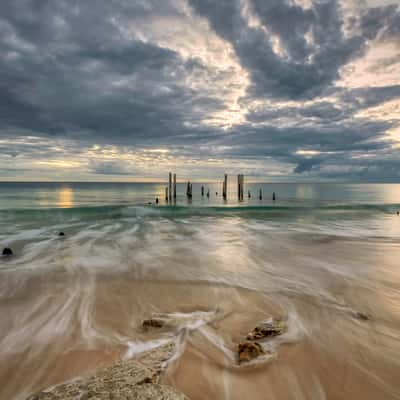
205, 182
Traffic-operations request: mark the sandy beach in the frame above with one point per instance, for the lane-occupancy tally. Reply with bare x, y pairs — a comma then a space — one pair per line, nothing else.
340, 342
73, 306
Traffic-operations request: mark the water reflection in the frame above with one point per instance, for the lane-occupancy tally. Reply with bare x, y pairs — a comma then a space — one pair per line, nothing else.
65, 198
305, 192
314, 195
390, 193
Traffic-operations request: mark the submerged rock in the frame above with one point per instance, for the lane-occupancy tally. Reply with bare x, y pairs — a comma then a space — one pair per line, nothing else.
126, 380
247, 351
61, 234
7, 251
153, 323
267, 329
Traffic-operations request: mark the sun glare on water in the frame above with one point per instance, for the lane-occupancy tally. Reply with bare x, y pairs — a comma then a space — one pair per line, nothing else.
65, 198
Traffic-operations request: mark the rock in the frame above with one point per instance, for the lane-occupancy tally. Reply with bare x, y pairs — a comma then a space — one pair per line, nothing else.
119, 378
362, 316
61, 234
247, 351
126, 380
157, 359
153, 323
155, 392
267, 329
7, 251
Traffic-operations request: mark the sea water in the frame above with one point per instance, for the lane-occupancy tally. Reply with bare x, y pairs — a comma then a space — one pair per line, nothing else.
324, 257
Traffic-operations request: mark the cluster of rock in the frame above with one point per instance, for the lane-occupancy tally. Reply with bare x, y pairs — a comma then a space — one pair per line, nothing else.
248, 349
251, 348
126, 380
138, 378
148, 324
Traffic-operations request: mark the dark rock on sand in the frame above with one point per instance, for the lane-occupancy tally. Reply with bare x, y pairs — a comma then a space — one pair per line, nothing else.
7, 251
251, 349
126, 380
267, 329
153, 323
247, 351
362, 316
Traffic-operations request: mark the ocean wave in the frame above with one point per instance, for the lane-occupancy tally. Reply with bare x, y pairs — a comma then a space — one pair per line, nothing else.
115, 211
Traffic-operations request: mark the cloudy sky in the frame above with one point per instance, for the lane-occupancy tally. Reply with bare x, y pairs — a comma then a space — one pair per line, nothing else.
129, 89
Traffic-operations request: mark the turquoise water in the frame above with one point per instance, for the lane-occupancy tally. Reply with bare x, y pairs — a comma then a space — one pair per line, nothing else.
49, 203
353, 210
340, 209
68, 195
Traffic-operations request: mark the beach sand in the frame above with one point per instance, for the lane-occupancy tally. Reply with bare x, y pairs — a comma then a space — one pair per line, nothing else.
76, 324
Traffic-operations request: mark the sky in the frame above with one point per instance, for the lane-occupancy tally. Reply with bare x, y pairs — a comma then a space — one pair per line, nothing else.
127, 90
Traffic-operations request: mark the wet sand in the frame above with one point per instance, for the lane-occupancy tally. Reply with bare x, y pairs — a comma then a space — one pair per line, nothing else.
70, 307
58, 326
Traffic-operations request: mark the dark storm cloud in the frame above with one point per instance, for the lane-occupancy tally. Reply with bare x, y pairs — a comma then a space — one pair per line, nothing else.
308, 67
306, 165
77, 71
67, 70
381, 19
327, 113
358, 99
385, 168
284, 142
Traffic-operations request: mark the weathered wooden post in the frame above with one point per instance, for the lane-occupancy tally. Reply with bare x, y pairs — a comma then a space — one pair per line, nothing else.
260, 196
208, 192
202, 191
240, 186
273, 196
166, 194
174, 186
248, 194
189, 190
225, 187
170, 186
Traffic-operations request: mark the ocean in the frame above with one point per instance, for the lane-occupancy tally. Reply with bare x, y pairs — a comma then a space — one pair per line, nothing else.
323, 257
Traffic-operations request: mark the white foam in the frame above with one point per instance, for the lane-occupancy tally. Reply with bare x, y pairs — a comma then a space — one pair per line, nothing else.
136, 347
